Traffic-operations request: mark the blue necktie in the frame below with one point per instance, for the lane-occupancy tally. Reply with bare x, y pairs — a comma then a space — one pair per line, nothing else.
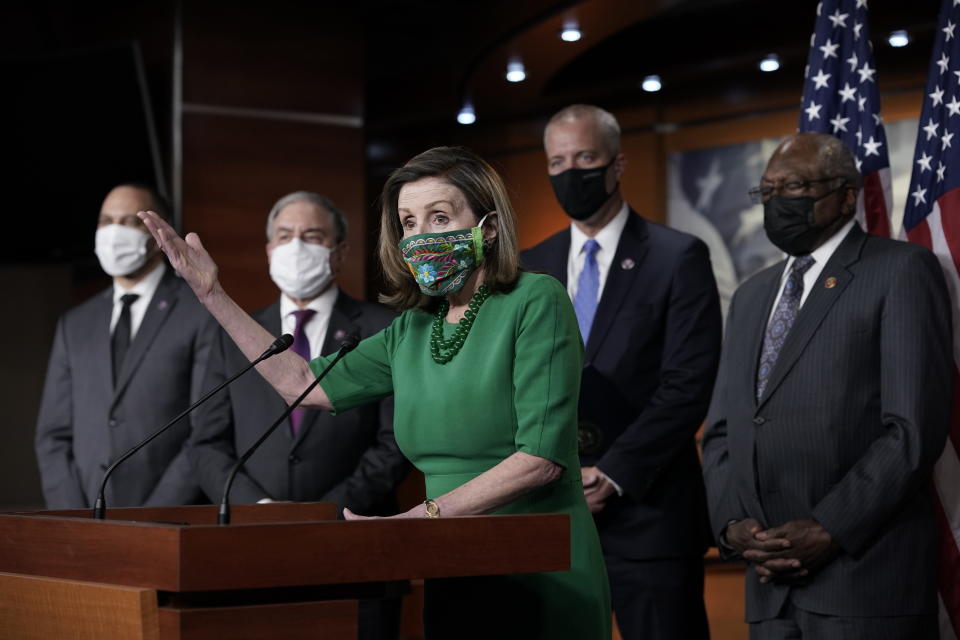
588, 289
782, 320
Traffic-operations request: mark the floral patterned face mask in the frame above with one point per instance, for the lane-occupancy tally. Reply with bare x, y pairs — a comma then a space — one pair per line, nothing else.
441, 263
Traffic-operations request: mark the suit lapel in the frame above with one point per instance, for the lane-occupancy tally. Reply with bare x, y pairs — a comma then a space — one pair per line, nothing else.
556, 260
342, 322
819, 302
161, 306
758, 327
271, 320
631, 250
100, 341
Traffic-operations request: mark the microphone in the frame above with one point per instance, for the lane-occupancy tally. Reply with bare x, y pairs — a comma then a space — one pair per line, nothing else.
279, 345
349, 344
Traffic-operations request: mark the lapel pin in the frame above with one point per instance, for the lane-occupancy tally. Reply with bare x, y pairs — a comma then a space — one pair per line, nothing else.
162, 305
339, 334
627, 264
830, 282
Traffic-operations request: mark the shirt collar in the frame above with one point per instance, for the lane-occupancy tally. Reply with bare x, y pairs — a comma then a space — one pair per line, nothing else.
825, 251
607, 238
322, 304
145, 288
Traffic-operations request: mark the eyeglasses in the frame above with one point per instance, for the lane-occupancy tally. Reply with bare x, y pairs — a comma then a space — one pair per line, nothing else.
792, 189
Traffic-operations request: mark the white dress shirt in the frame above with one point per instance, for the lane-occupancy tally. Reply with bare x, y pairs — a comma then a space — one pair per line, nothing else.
316, 327
145, 288
820, 256
608, 238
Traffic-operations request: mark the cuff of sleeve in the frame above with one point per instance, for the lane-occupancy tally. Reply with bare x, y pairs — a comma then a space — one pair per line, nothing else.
726, 551
616, 487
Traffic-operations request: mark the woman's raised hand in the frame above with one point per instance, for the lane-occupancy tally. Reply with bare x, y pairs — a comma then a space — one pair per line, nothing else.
188, 257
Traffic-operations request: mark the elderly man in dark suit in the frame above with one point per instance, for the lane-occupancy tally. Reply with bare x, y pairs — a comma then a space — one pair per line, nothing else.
122, 363
351, 459
646, 301
831, 407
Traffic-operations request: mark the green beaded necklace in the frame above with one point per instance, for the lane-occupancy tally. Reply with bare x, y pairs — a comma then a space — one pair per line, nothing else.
444, 350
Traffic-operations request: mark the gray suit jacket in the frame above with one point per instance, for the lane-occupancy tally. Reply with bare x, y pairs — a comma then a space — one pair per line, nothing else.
851, 422
351, 459
85, 423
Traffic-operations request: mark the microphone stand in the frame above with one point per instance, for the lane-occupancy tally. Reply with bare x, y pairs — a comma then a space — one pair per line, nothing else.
223, 516
99, 508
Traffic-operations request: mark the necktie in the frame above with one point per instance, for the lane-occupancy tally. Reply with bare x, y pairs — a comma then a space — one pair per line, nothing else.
301, 347
782, 320
588, 289
120, 342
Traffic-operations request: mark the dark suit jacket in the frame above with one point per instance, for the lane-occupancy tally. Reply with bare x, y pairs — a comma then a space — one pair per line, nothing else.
853, 417
648, 372
351, 459
84, 423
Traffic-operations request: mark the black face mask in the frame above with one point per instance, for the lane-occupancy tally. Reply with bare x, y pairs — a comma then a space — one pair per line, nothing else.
581, 192
790, 224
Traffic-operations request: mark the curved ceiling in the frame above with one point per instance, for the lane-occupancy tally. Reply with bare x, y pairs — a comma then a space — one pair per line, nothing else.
427, 57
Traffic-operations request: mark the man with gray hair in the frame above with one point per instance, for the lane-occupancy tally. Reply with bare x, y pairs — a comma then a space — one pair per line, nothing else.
351, 459
647, 305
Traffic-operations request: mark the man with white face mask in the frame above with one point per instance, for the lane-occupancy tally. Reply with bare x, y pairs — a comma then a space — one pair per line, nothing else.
351, 459
122, 364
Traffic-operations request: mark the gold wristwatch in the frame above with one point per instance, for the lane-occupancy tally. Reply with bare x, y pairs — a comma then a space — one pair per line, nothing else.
432, 508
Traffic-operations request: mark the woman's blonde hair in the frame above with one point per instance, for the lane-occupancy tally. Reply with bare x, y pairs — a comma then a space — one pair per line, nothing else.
484, 191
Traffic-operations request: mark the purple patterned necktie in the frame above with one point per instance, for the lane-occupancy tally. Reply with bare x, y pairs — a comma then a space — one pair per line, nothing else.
301, 347
782, 320
588, 288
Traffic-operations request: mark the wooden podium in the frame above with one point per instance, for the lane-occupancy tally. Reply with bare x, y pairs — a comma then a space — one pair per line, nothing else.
282, 570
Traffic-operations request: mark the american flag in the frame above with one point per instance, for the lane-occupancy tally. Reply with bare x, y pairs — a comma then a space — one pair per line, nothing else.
840, 98
932, 219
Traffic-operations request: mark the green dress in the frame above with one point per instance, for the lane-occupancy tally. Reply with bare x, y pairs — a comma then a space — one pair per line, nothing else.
513, 386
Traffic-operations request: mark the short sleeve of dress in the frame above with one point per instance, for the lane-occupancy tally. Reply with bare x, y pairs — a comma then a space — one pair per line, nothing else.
546, 373
364, 375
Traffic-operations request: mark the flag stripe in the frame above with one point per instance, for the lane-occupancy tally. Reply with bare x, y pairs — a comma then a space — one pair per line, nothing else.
875, 209
940, 247
950, 201
949, 569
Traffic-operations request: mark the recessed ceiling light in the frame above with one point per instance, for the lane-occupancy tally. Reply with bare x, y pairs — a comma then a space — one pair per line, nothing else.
651, 83
467, 115
516, 71
770, 63
899, 38
571, 33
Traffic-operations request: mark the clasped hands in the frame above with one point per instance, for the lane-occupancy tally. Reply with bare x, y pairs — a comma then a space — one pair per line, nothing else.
788, 554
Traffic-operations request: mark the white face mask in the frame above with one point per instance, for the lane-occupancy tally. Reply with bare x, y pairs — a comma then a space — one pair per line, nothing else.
120, 249
300, 269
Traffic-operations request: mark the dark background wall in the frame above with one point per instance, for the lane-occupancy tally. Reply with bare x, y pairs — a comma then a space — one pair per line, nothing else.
228, 106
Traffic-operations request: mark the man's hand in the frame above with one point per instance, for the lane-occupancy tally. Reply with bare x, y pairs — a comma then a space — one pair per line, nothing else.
596, 488
809, 547
742, 536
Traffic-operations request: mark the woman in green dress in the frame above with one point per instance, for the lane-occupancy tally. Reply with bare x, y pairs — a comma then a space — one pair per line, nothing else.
484, 364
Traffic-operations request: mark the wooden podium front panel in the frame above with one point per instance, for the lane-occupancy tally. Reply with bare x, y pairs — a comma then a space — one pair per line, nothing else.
33, 608
373, 550
174, 556
327, 620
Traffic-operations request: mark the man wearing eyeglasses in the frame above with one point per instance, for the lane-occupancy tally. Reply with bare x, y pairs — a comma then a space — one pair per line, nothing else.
830, 409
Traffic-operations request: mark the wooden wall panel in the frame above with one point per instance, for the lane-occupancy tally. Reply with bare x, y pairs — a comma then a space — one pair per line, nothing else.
272, 103
236, 168
292, 56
